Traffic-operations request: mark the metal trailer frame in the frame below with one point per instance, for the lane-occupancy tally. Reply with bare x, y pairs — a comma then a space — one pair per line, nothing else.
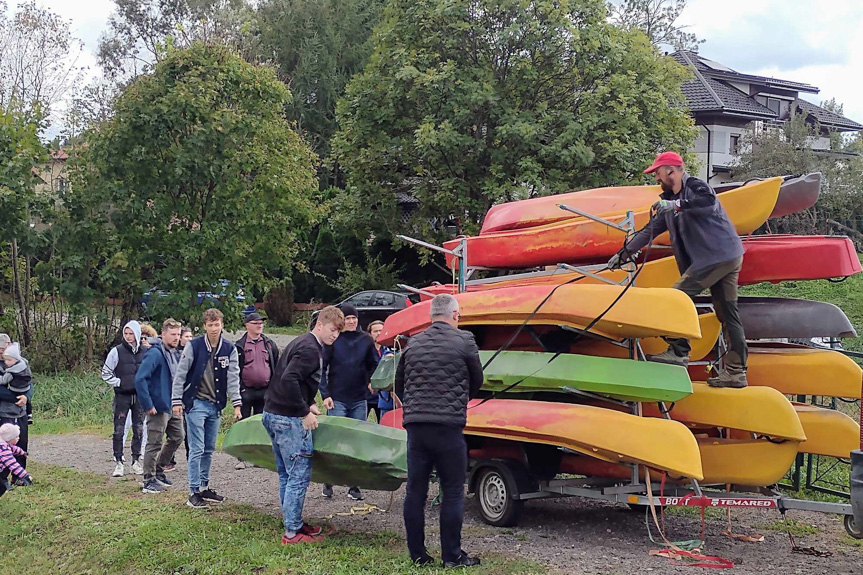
503, 485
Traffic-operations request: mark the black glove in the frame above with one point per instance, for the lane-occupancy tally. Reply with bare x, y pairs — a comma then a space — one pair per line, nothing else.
24, 481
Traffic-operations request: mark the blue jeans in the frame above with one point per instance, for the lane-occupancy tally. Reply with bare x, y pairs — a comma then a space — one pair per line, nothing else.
292, 446
355, 410
202, 423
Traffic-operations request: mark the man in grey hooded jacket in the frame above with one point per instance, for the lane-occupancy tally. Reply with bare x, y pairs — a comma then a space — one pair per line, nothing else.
119, 371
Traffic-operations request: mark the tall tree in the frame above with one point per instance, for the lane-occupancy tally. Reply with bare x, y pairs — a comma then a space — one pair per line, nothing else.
206, 179
140, 31
318, 45
466, 103
657, 19
20, 151
38, 60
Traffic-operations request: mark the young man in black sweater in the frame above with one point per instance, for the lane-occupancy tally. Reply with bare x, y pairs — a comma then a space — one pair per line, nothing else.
290, 416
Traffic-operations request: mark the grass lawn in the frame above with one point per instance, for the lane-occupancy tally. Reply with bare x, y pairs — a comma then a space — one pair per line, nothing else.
73, 522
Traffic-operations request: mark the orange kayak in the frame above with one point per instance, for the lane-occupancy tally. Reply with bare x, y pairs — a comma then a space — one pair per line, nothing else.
578, 239
640, 312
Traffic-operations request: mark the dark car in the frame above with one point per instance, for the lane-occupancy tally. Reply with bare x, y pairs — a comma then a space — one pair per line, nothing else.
376, 305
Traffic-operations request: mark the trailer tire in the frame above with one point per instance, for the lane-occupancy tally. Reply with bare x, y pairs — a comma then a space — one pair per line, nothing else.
495, 492
852, 528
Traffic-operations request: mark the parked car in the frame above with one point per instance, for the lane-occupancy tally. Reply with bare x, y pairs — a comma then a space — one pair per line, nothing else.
205, 298
375, 305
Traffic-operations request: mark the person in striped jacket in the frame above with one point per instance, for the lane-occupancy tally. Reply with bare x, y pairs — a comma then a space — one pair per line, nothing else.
8, 450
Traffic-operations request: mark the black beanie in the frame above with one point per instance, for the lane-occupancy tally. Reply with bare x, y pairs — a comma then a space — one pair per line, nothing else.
348, 309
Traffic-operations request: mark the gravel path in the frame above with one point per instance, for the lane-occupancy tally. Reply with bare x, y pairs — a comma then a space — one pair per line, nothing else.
570, 535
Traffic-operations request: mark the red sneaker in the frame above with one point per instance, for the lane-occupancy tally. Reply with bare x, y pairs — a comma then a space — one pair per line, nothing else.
311, 530
301, 538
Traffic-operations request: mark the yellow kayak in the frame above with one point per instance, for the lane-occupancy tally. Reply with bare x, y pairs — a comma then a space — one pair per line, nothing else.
638, 313
758, 410
828, 432
710, 328
752, 462
804, 371
604, 434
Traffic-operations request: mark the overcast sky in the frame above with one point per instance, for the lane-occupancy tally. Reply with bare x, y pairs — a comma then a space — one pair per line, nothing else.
816, 42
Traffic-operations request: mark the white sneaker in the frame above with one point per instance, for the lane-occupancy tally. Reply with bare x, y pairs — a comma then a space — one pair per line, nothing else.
137, 468
118, 469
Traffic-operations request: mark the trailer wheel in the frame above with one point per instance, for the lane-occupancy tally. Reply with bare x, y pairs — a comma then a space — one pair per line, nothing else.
852, 528
495, 492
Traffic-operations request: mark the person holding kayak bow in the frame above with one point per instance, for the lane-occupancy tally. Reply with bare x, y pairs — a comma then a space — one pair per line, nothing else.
708, 252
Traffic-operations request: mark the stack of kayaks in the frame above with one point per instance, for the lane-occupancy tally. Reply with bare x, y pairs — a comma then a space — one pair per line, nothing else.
564, 388
749, 436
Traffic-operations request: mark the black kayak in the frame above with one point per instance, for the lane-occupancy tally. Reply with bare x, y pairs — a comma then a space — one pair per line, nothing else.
779, 317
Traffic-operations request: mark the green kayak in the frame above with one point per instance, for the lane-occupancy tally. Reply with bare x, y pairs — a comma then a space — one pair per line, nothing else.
547, 372
346, 451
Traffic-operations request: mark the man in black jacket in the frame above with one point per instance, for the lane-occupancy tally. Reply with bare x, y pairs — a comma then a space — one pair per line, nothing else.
437, 374
290, 416
708, 253
348, 367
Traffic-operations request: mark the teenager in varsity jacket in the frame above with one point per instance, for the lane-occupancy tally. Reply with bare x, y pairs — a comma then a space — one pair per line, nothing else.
207, 377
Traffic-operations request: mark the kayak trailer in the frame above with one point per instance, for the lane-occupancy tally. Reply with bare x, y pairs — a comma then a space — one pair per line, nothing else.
501, 487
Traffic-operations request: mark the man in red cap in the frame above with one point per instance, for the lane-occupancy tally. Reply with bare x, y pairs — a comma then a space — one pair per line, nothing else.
709, 254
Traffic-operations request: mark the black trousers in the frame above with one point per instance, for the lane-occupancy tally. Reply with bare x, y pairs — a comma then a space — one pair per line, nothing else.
127, 406
253, 401
441, 447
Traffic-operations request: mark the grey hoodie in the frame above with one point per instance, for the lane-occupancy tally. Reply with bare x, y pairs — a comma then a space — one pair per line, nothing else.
113, 357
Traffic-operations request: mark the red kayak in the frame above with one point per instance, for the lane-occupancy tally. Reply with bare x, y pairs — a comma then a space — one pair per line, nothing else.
579, 239
779, 258
773, 258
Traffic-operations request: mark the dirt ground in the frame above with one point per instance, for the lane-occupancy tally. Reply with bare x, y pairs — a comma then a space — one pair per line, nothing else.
568, 535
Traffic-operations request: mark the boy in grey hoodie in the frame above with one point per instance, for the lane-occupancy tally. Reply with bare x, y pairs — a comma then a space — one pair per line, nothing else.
119, 371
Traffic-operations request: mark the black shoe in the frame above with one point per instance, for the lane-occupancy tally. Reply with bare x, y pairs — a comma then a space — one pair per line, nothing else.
163, 479
464, 560
327, 491
196, 501
354, 493
210, 495
423, 560
152, 486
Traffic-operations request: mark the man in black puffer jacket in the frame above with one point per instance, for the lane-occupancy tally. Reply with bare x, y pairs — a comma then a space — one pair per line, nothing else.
437, 374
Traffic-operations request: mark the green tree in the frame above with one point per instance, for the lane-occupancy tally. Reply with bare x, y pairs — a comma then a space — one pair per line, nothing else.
657, 19
205, 178
318, 45
788, 150
466, 103
20, 151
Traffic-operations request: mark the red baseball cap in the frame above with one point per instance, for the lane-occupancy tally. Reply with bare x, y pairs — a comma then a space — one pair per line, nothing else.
665, 159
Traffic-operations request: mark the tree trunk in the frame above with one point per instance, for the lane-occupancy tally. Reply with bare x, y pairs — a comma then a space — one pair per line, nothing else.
23, 315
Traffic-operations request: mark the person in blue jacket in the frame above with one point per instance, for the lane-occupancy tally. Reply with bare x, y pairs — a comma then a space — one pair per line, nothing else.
153, 382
